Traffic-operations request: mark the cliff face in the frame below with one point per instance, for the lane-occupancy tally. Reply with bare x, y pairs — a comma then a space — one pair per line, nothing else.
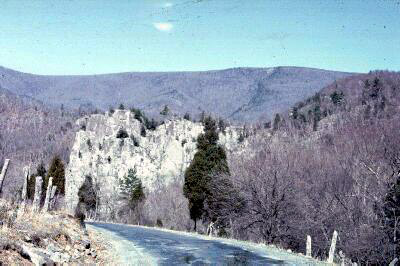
161, 156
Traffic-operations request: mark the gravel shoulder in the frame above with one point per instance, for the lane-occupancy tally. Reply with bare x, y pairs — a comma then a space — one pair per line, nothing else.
121, 250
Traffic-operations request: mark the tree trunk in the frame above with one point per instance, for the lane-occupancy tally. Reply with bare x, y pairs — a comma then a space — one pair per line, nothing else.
3, 173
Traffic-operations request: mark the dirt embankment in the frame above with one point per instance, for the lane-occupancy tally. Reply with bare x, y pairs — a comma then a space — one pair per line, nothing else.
47, 238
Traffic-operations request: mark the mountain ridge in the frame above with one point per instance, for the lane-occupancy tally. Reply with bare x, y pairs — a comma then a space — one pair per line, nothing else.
239, 94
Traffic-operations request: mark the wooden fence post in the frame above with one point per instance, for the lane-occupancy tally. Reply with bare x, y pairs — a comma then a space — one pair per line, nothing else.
48, 193
52, 195
393, 263
308, 247
38, 194
333, 247
24, 193
3, 173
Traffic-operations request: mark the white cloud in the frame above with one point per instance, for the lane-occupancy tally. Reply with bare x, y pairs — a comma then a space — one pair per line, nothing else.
163, 26
168, 4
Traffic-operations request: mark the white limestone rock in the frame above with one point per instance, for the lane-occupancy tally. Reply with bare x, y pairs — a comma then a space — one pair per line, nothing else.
161, 156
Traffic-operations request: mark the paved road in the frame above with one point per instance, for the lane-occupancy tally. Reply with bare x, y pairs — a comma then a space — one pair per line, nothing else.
136, 245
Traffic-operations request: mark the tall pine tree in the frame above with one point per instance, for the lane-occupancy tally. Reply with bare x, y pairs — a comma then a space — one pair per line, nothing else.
209, 160
131, 189
57, 171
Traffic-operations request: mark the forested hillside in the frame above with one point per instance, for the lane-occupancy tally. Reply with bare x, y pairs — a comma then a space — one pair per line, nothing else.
239, 94
31, 133
332, 163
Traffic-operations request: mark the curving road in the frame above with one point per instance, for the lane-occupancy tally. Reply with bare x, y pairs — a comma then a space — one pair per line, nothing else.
136, 245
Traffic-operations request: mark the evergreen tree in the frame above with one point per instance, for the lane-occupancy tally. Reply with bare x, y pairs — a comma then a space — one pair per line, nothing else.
209, 159
40, 171
57, 171
277, 121
87, 194
337, 97
165, 110
186, 116
131, 189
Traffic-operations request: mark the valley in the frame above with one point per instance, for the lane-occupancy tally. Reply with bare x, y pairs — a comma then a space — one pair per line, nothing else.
291, 176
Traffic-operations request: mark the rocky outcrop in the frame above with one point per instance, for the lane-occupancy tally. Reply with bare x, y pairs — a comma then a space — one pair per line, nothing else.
108, 145
48, 239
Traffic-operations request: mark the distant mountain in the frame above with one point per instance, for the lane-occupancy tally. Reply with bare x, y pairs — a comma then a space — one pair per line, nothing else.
239, 94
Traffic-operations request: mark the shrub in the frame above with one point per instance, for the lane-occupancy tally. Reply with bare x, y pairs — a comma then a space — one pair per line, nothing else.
337, 97
87, 199
184, 141
89, 144
138, 114
186, 116
143, 131
159, 222
241, 138
165, 110
122, 134
134, 140
222, 125
150, 124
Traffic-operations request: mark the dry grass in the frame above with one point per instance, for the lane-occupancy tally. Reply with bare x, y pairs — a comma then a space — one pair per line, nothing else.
50, 233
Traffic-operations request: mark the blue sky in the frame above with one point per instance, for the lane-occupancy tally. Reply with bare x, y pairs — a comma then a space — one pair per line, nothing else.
87, 37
